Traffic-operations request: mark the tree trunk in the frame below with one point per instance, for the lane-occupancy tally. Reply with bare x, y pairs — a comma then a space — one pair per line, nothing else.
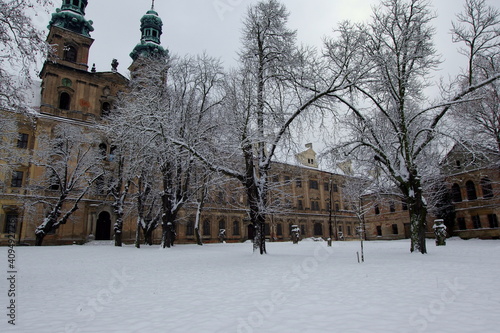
118, 238
148, 236
259, 240
118, 230
197, 234
138, 233
418, 222
39, 239
168, 235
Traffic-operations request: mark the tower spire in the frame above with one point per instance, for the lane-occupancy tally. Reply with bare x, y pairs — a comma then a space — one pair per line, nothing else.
151, 31
71, 16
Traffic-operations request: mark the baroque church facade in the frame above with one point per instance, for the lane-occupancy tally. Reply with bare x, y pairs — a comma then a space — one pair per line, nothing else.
74, 94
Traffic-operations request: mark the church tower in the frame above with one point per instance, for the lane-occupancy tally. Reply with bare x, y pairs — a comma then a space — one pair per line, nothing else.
69, 31
69, 89
151, 31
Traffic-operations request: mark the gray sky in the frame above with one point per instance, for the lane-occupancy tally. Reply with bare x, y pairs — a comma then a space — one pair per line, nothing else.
214, 26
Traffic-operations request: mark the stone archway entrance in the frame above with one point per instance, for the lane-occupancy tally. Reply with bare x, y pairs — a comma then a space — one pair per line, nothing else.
103, 227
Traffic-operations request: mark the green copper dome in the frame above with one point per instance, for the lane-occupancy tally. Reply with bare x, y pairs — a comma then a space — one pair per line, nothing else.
71, 16
151, 31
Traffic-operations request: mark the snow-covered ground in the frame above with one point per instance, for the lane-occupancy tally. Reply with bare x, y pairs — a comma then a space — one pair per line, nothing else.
225, 288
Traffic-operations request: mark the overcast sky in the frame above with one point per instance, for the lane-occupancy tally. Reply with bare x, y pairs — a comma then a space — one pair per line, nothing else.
214, 26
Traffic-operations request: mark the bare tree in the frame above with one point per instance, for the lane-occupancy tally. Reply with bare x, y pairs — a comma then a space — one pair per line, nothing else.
275, 85
21, 45
390, 126
72, 163
119, 192
174, 98
478, 27
148, 211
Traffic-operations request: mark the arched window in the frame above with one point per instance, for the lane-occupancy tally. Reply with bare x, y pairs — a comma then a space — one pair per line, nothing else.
318, 229
103, 149
471, 190
279, 229
190, 228
486, 188
456, 194
222, 225
64, 101
70, 53
236, 228
105, 109
206, 228
100, 185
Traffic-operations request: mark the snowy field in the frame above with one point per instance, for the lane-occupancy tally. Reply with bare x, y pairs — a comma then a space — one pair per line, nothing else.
225, 288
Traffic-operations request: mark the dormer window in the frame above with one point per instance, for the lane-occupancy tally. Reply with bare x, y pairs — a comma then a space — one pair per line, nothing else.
458, 164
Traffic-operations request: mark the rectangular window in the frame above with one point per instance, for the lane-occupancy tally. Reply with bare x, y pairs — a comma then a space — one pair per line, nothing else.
493, 220
404, 206
17, 179
392, 207
335, 188
379, 230
267, 229
236, 228
10, 224
395, 230
298, 183
279, 229
303, 229
300, 206
220, 197
190, 228
377, 210
476, 222
326, 187
313, 184
315, 205
22, 141
461, 223
349, 230
206, 228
